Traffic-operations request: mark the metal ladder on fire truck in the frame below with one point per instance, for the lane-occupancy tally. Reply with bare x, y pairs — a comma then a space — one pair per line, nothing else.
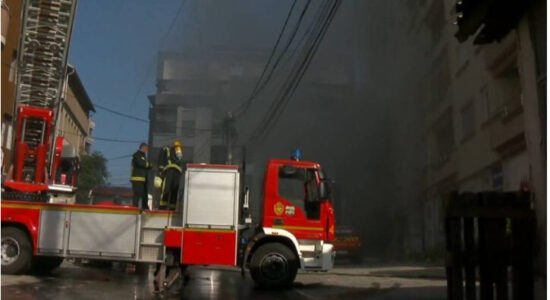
41, 72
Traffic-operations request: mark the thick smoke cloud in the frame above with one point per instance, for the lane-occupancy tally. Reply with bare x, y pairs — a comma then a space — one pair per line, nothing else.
356, 111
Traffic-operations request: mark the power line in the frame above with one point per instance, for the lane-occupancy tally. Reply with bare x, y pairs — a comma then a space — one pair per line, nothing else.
250, 98
298, 72
291, 78
101, 138
116, 140
283, 52
279, 107
120, 114
119, 157
148, 70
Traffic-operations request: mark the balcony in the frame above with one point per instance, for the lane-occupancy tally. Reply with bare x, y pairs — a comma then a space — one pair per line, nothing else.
506, 129
498, 55
441, 167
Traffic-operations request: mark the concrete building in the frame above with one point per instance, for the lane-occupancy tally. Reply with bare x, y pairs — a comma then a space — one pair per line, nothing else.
74, 122
11, 31
196, 90
485, 110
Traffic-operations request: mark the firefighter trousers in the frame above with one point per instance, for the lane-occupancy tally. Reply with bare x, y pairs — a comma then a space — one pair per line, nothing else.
140, 194
169, 189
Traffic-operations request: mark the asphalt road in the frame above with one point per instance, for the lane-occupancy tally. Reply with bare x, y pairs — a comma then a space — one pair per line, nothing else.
78, 282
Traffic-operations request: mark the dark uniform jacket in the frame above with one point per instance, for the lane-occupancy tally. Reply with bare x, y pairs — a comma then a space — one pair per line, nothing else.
168, 160
139, 167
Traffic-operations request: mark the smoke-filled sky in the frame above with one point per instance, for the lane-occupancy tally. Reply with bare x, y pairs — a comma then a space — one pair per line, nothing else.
355, 111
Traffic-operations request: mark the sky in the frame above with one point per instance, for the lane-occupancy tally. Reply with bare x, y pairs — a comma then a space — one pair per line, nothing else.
114, 46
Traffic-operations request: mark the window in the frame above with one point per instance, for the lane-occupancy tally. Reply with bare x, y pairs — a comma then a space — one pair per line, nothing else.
13, 67
188, 128
483, 96
505, 92
217, 130
7, 131
188, 154
300, 189
497, 178
468, 120
165, 118
218, 154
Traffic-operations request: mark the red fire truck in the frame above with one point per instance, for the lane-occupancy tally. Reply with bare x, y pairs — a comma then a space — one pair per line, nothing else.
213, 227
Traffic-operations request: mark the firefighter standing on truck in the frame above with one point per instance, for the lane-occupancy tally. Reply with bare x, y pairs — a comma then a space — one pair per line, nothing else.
169, 172
138, 177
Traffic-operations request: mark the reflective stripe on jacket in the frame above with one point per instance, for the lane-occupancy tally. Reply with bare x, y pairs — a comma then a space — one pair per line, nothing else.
168, 159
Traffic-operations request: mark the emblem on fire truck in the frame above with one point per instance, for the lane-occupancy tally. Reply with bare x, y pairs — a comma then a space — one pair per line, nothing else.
289, 210
279, 208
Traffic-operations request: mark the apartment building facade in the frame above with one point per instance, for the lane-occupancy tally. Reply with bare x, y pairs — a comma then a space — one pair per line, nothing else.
195, 93
74, 121
11, 32
480, 100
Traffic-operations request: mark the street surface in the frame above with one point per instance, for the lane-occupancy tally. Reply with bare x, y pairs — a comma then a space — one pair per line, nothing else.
85, 282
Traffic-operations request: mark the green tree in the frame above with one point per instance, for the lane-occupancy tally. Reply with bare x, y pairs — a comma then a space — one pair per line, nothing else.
93, 172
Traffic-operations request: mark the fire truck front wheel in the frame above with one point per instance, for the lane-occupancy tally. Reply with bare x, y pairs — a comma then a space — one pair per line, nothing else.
16, 251
273, 265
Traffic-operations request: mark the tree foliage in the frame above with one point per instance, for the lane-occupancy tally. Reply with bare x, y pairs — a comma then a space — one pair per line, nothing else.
93, 172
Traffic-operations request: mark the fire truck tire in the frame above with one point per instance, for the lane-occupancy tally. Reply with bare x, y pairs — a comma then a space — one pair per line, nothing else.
16, 251
45, 264
273, 266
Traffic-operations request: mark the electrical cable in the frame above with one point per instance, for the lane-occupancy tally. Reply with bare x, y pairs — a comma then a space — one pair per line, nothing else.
287, 84
293, 81
303, 68
119, 113
281, 33
148, 70
119, 157
281, 55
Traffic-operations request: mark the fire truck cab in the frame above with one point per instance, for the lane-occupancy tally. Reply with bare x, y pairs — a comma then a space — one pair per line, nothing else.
211, 227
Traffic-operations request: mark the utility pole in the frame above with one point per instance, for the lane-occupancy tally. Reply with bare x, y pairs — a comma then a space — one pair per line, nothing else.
229, 128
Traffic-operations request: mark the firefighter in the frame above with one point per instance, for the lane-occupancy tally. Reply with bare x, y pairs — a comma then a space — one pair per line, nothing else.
138, 177
169, 172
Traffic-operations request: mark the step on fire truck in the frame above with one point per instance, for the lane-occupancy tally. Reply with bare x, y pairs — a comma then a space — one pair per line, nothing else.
212, 228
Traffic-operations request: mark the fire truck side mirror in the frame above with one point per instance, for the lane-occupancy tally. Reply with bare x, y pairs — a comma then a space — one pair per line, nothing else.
324, 190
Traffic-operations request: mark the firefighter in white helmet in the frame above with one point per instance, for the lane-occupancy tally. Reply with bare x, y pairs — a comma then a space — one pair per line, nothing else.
170, 168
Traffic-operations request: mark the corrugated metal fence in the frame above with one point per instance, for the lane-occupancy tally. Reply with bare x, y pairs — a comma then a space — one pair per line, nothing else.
490, 243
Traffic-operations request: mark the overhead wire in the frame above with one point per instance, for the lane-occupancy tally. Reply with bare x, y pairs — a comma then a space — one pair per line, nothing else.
239, 110
64, 132
285, 49
290, 78
298, 45
119, 157
119, 113
149, 67
293, 81
279, 107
